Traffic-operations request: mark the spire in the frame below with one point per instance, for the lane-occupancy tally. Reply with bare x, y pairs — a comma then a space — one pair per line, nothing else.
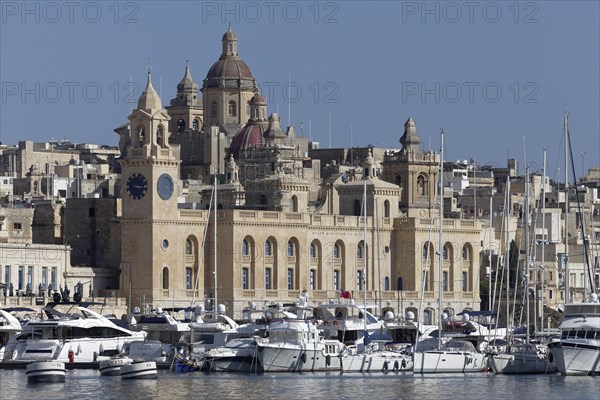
368, 166
187, 84
410, 140
149, 99
229, 44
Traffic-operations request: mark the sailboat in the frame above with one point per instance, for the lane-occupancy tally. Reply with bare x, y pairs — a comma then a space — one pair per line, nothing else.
528, 357
441, 355
577, 352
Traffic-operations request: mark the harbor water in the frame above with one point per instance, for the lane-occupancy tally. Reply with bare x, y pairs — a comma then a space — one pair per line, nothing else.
88, 384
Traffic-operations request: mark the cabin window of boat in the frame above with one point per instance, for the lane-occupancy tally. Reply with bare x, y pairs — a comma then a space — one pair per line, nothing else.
590, 335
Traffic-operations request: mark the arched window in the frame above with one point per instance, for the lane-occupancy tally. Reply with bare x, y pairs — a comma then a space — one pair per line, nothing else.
466, 254
268, 249
386, 283
141, 135
245, 248
195, 125
290, 249
386, 209
213, 109
294, 204
398, 180
160, 136
232, 108
165, 278
336, 251
421, 185
399, 283
180, 125
188, 247
357, 208
359, 250
313, 250
446, 252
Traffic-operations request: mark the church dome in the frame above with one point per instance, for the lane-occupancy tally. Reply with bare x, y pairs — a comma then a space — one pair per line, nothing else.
230, 71
250, 136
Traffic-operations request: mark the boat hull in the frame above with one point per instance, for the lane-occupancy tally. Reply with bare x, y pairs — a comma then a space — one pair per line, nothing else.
448, 362
280, 358
573, 358
112, 366
45, 372
374, 362
142, 370
521, 363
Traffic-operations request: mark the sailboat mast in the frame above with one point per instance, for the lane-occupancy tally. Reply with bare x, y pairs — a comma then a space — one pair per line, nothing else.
527, 251
441, 244
507, 252
364, 274
490, 259
543, 240
566, 256
215, 239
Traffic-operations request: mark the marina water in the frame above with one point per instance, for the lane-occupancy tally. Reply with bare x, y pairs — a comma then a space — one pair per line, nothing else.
88, 384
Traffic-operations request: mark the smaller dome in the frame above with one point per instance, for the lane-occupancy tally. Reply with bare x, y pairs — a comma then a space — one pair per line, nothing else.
251, 135
187, 83
149, 99
229, 35
258, 100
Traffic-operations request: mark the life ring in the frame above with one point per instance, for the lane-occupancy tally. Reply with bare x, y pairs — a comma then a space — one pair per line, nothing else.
335, 322
325, 322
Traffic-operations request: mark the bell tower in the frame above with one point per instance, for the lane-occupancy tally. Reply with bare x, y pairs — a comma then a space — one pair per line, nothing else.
150, 185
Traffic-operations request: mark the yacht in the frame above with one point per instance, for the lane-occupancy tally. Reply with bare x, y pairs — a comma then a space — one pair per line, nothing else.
77, 336
577, 352
298, 346
165, 335
9, 326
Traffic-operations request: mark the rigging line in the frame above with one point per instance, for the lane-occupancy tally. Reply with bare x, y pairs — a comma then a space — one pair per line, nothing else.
201, 253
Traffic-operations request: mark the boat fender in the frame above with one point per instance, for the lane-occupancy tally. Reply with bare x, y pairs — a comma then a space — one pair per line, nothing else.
385, 366
335, 322
304, 358
328, 360
325, 322
403, 364
71, 356
551, 357
396, 366
315, 322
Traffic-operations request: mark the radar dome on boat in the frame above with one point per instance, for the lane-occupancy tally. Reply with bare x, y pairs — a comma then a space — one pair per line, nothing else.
280, 306
253, 306
389, 315
221, 309
466, 317
410, 316
136, 310
593, 298
159, 310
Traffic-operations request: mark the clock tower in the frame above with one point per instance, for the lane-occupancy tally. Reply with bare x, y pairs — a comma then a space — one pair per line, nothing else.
150, 185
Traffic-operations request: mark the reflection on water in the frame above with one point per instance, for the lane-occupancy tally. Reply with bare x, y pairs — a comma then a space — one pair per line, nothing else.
88, 384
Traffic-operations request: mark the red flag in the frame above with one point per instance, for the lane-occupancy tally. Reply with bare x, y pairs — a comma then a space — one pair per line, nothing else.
345, 295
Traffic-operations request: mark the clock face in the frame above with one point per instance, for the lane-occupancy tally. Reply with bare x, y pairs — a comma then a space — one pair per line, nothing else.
137, 185
165, 186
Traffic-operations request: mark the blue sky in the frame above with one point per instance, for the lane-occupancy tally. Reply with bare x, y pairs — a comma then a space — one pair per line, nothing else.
497, 76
